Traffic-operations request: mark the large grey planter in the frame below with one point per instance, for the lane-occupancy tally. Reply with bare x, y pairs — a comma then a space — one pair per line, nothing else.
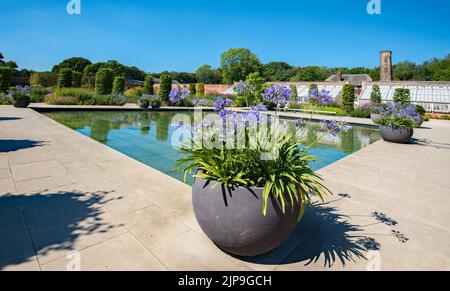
21, 103
234, 221
400, 135
376, 117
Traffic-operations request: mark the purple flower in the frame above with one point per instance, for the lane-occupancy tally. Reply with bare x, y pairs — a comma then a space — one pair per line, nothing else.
335, 126
178, 94
243, 88
278, 95
321, 98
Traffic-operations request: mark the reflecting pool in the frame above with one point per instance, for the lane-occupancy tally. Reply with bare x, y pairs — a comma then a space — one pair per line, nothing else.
146, 137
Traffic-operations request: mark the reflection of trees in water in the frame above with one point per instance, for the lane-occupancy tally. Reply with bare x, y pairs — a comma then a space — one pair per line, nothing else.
162, 126
347, 141
144, 123
100, 130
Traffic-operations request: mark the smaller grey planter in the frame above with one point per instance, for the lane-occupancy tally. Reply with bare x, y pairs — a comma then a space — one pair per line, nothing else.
156, 104
234, 221
144, 105
400, 135
21, 103
376, 117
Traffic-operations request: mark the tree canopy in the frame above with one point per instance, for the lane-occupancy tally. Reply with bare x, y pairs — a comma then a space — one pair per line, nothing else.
236, 64
206, 74
75, 64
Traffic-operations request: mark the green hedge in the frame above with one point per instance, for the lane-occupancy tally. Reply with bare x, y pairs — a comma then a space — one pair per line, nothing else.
192, 90
5, 78
65, 78
44, 79
148, 85
200, 90
119, 85
76, 79
165, 87
104, 81
348, 98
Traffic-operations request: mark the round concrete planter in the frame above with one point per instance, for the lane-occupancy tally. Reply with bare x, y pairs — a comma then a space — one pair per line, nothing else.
376, 117
144, 105
234, 221
400, 135
156, 104
421, 122
21, 103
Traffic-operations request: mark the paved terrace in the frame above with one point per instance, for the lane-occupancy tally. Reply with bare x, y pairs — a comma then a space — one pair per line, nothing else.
61, 191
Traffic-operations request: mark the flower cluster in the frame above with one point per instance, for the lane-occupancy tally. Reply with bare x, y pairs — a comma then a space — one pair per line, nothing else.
398, 111
243, 88
321, 98
277, 94
335, 126
200, 102
178, 94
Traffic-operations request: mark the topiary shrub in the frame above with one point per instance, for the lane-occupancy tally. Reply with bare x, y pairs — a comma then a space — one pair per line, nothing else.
165, 87
104, 81
5, 78
375, 96
294, 92
348, 98
192, 90
119, 85
402, 96
148, 85
65, 78
200, 90
76, 79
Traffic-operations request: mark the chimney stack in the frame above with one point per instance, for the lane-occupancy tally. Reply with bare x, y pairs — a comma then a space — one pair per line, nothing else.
339, 76
386, 66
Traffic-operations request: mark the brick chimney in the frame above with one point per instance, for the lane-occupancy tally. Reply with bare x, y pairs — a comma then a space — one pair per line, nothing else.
386, 66
339, 76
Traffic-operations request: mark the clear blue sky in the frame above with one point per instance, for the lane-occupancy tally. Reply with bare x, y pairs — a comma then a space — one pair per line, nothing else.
181, 35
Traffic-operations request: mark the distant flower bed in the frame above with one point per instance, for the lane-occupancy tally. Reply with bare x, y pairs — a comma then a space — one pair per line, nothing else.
81, 96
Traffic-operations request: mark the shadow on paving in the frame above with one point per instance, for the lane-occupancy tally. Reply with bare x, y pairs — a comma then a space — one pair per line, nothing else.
53, 221
9, 118
322, 233
9, 145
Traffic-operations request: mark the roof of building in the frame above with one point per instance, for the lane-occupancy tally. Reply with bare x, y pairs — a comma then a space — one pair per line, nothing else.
354, 79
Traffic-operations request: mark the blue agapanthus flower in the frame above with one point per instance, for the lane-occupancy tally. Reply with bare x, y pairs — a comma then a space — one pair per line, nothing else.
277, 94
178, 94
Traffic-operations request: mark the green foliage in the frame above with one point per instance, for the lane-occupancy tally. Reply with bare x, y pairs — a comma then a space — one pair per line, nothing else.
133, 94
312, 87
192, 89
402, 96
375, 96
118, 85
278, 71
5, 78
200, 90
360, 112
43, 79
104, 81
183, 77
310, 74
165, 87
75, 64
397, 122
237, 64
82, 96
64, 78
148, 85
421, 110
348, 98
76, 79
37, 94
294, 94
318, 109
206, 74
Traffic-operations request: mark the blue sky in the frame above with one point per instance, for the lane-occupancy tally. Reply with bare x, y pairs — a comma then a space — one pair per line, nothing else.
159, 35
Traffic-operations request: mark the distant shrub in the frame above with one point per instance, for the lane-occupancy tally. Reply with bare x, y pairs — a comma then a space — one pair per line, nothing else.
44, 79
76, 79
62, 100
88, 81
111, 99
375, 96
294, 94
5, 78
149, 85
324, 110
104, 81
64, 78
119, 85
165, 87
81, 96
403, 96
200, 90
421, 110
37, 94
348, 98
360, 113
192, 90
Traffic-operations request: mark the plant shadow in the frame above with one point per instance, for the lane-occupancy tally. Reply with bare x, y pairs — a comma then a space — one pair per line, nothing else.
9, 145
9, 118
35, 224
322, 233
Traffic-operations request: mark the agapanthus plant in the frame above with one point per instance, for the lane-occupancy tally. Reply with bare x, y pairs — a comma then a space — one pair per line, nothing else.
19, 93
178, 94
322, 97
239, 156
244, 93
396, 115
277, 95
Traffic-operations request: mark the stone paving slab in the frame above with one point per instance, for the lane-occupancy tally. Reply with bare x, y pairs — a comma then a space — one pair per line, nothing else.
62, 192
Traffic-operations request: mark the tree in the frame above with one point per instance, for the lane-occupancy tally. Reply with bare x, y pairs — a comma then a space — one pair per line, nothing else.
5, 78
104, 81
43, 79
165, 87
258, 83
404, 71
183, 77
148, 85
237, 64
119, 85
375, 96
76, 64
310, 74
11, 64
64, 78
206, 74
278, 71
348, 98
